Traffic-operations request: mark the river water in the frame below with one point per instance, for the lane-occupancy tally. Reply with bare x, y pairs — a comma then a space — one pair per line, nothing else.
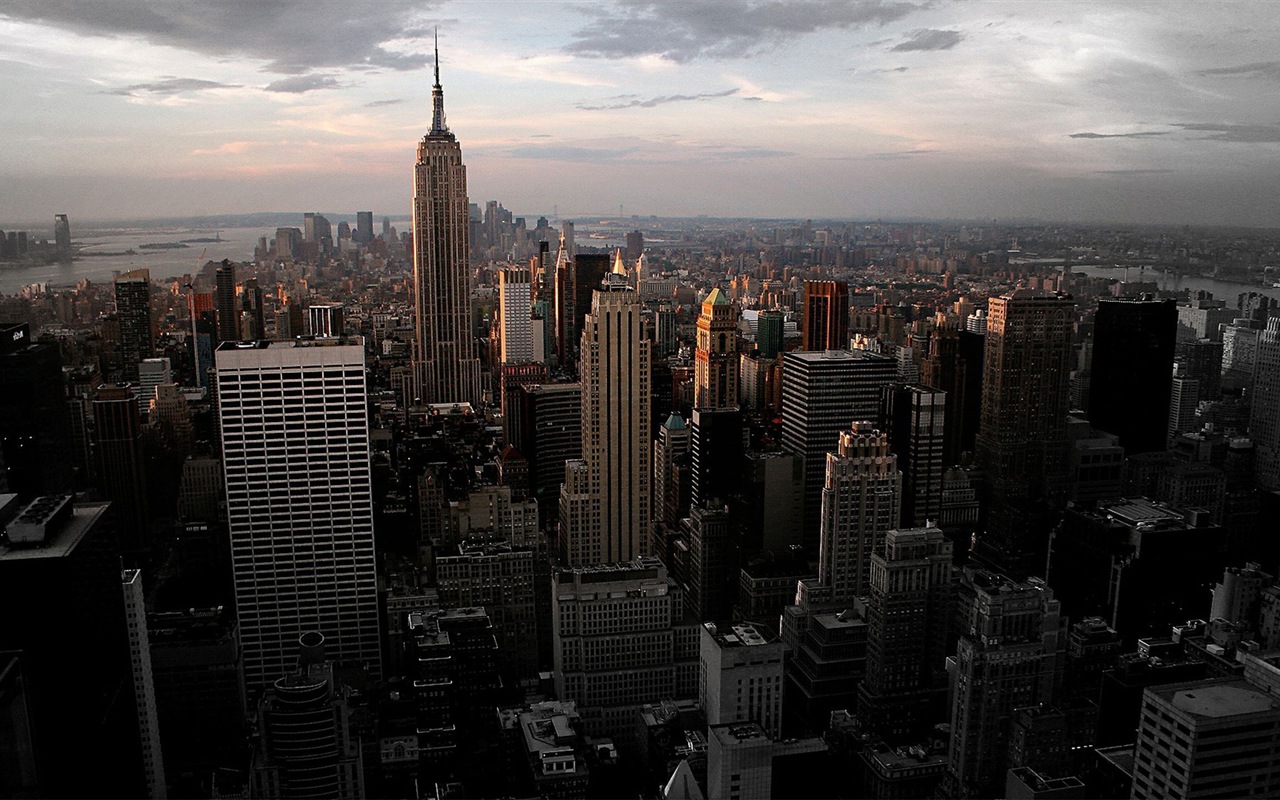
1222, 290
235, 243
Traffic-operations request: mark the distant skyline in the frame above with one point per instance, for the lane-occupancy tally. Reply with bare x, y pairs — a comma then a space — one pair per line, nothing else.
1159, 112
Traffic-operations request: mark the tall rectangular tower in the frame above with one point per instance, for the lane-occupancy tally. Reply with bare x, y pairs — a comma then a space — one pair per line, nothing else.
1264, 415
826, 315
1022, 438
295, 442
861, 502
224, 302
716, 365
1132, 371
133, 309
604, 502
822, 393
448, 370
516, 315
917, 422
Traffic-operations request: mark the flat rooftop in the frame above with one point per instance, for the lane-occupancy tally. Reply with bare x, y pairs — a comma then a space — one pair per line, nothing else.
1216, 700
62, 540
743, 634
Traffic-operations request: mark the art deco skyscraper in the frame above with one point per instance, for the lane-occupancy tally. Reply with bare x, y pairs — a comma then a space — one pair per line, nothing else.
295, 443
861, 502
604, 502
447, 368
716, 366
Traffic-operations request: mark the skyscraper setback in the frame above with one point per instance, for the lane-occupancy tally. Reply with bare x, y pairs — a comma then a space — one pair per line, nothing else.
448, 370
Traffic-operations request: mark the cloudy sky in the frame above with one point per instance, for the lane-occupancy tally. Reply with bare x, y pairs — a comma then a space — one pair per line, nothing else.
1131, 112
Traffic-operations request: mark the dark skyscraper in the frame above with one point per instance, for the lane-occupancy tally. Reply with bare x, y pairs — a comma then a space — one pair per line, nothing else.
822, 393
364, 227
447, 368
916, 417
121, 465
1022, 441
826, 315
35, 426
1132, 371
133, 310
224, 303
769, 334
58, 563
62, 237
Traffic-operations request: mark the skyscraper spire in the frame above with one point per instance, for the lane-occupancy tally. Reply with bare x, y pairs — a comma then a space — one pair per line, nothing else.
437, 97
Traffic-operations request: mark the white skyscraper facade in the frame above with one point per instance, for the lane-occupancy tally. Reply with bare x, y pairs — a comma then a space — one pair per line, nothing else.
448, 369
295, 440
515, 314
144, 684
861, 502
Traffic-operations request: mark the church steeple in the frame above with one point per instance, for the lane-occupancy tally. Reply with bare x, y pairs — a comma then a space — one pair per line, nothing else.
438, 126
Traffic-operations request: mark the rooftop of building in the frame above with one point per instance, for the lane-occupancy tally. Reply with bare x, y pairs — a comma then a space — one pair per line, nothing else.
888, 760
1218, 699
60, 540
289, 344
742, 634
823, 356
740, 734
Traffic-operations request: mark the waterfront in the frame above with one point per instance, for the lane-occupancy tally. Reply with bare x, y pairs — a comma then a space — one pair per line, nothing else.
1222, 290
234, 243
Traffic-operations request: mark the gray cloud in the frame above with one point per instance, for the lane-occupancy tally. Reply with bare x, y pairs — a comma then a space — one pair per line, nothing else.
656, 101
293, 36
170, 86
1138, 135
1259, 69
1248, 134
929, 39
381, 103
1131, 171
590, 155
684, 31
298, 84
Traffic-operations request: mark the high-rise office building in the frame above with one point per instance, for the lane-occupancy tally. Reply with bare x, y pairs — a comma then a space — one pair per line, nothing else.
740, 675
826, 315
448, 370
326, 319
769, 334
912, 590
822, 392
604, 503
1184, 399
515, 315
122, 466
621, 640
1264, 413
62, 237
917, 423
1132, 369
60, 562
144, 685
1022, 439
133, 311
861, 502
671, 472
295, 443
364, 219
1009, 656
224, 302
716, 447
550, 435
1208, 738
35, 422
716, 357
714, 559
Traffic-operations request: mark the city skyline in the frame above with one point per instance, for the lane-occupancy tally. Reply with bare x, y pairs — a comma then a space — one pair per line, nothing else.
1085, 112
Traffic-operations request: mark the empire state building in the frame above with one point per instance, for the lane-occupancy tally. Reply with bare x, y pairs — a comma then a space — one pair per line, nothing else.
447, 370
